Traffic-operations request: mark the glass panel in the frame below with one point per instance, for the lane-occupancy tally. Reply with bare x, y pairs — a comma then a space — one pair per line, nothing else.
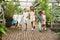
22, 0
29, 4
50, 4
23, 3
31, 0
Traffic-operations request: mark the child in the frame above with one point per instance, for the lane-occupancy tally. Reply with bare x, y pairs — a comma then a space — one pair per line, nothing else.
25, 19
32, 17
40, 20
44, 20
20, 17
14, 22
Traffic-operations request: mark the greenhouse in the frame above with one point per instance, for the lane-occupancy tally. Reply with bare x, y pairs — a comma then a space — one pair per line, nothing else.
11, 29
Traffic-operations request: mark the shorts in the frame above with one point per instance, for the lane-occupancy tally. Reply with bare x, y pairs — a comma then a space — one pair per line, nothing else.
14, 22
25, 20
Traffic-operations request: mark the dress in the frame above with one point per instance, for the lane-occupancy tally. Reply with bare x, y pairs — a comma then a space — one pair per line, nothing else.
43, 19
32, 16
25, 19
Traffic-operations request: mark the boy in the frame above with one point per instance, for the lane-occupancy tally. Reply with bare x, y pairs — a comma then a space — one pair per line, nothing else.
40, 20
14, 22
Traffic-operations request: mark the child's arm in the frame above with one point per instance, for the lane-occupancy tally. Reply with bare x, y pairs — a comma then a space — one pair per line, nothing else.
28, 16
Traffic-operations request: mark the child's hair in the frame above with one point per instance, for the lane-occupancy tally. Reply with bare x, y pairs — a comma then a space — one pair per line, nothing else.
24, 8
40, 12
32, 8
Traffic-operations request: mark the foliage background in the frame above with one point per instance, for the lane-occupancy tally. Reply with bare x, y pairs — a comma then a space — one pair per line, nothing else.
43, 5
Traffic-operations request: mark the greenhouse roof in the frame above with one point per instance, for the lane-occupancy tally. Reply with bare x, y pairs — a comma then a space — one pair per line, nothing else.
54, 0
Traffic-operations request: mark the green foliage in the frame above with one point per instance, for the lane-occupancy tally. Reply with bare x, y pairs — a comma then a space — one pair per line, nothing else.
17, 8
9, 10
0, 1
2, 30
43, 5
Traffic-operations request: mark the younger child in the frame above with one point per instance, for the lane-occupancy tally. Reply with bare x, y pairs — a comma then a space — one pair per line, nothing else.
32, 17
44, 20
14, 22
20, 18
25, 19
40, 20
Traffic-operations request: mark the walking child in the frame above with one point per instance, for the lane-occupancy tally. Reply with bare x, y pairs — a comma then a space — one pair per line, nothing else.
44, 20
32, 17
20, 19
40, 20
14, 22
25, 19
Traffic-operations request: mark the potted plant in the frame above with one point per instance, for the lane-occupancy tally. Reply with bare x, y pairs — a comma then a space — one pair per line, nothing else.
9, 13
2, 31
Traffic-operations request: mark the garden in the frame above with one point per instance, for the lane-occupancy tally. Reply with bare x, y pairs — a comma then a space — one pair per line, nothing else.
51, 9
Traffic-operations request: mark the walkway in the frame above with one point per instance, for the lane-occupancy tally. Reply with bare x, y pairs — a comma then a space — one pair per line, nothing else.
30, 35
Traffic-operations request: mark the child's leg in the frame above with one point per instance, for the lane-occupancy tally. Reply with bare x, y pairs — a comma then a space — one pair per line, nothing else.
15, 25
34, 24
44, 27
25, 26
40, 26
20, 26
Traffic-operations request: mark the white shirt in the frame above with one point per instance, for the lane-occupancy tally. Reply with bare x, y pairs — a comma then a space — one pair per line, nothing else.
20, 17
25, 14
15, 17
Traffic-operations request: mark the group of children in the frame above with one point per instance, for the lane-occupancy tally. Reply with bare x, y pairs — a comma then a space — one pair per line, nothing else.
42, 20
17, 19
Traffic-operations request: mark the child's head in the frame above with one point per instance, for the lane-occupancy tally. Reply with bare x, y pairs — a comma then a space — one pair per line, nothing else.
40, 13
25, 9
43, 12
31, 8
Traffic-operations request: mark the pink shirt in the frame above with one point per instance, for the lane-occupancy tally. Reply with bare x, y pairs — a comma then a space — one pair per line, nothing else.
43, 19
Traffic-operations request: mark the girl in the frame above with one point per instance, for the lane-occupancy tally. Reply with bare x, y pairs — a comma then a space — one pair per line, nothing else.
44, 20
32, 17
25, 19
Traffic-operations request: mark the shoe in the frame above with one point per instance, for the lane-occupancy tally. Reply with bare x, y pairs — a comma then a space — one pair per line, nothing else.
45, 29
32, 29
40, 30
